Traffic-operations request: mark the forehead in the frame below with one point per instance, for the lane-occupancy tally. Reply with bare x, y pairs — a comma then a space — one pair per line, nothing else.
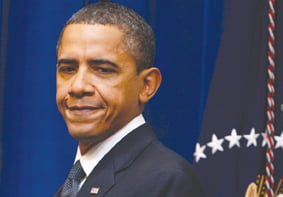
90, 35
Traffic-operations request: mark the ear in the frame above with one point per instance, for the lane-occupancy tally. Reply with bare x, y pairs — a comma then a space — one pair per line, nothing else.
151, 80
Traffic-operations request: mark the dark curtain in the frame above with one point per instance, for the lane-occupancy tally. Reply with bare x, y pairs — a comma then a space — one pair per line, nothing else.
36, 149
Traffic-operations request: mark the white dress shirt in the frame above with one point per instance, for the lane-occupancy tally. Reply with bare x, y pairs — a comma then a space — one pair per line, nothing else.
90, 159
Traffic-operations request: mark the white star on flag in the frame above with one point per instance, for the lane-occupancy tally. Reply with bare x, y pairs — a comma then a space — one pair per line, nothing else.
251, 138
234, 139
215, 144
199, 152
279, 141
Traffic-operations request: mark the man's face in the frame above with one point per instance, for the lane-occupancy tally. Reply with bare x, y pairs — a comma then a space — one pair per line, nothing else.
97, 83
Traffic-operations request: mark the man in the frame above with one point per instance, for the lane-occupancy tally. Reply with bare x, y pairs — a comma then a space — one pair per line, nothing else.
104, 78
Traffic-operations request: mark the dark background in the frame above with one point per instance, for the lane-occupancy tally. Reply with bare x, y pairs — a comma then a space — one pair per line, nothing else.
36, 149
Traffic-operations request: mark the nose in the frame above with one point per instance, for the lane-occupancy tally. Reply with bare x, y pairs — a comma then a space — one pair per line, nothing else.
81, 84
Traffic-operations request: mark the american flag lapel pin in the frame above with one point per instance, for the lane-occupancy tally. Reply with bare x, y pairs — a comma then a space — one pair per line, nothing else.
94, 190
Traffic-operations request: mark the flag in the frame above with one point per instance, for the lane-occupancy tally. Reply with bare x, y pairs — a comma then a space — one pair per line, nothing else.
231, 151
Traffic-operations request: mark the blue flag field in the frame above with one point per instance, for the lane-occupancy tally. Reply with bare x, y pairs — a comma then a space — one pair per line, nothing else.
231, 151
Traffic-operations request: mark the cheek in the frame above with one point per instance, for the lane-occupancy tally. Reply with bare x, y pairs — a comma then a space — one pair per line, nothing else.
61, 93
125, 97
61, 87
113, 96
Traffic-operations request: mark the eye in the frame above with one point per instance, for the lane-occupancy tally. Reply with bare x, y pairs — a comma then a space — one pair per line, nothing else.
67, 69
104, 67
67, 66
105, 70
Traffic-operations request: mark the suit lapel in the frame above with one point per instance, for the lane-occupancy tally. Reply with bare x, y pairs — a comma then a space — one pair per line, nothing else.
57, 194
99, 181
131, 146
102, 178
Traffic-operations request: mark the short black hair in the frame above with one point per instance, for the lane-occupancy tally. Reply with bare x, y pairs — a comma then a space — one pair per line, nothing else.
139, 37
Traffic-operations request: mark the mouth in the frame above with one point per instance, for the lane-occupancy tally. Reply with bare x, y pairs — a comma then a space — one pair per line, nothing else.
82, 108
83, 113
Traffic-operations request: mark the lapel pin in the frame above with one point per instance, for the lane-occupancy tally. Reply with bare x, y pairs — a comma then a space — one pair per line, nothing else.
94, 190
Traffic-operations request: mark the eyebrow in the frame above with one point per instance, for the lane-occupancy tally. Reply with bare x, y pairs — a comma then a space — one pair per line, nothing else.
92, 61
102, 61
67, 61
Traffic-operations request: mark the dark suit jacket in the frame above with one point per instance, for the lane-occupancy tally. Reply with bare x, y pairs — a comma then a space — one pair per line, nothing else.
141, 166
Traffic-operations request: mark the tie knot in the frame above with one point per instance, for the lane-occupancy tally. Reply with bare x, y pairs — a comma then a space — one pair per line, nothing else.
77, 172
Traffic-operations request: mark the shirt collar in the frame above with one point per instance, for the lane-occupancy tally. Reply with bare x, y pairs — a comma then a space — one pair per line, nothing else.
96, 153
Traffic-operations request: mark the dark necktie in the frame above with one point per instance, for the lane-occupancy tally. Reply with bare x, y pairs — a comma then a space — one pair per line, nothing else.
71, 185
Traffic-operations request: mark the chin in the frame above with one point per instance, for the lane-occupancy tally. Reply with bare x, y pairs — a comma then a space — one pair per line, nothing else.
88, 138
85, 131
81, 131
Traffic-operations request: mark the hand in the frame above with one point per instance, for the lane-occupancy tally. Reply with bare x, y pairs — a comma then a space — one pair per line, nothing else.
251, 191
